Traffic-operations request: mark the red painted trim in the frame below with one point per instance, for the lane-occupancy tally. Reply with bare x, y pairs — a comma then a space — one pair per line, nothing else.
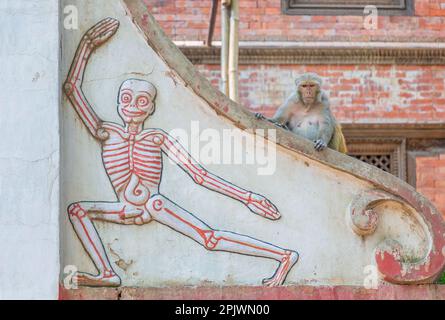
384, 292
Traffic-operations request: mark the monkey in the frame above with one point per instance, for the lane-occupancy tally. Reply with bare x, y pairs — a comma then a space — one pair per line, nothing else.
307, 113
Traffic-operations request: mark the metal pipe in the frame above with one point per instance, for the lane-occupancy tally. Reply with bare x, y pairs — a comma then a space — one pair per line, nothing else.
233, 50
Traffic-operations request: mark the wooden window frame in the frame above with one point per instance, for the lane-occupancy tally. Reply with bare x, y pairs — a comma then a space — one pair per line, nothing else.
343, 7
407, 141
394, 147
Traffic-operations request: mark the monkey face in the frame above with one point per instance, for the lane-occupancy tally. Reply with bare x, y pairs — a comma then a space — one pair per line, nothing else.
308, 92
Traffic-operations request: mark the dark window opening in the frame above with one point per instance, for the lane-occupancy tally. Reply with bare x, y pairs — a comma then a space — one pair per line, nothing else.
387, 154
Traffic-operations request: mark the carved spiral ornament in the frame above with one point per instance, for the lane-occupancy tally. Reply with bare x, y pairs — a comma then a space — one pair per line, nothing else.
389, 254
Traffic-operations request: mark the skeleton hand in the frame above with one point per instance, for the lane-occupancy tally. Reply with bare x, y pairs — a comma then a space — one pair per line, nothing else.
263, 207
101, 32
320, 144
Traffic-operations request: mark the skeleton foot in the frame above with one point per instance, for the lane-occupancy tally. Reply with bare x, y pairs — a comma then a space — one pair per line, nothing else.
101, 280
286, 264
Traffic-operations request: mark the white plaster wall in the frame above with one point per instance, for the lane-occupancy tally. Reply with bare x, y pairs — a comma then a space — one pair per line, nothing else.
29, 149
313, 199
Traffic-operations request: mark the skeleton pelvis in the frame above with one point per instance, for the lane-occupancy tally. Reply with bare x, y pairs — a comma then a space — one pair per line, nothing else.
136, 192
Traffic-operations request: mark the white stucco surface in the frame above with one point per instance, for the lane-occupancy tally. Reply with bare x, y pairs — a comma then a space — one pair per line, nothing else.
29, 149
313, 199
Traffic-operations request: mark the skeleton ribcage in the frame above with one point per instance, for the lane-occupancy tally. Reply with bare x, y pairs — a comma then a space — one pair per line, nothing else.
126, 157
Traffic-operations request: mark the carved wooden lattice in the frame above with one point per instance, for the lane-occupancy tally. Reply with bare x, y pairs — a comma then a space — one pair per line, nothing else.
387, 154
382, 161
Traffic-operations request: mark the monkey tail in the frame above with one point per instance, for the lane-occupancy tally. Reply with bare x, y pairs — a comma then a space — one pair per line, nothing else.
338, 141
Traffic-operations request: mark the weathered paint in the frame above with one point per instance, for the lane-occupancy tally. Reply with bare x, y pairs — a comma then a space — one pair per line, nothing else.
29, 152
384, 292
313, 191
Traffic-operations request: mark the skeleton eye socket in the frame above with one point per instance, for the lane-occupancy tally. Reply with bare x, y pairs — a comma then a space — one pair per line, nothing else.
142, 101
126, 98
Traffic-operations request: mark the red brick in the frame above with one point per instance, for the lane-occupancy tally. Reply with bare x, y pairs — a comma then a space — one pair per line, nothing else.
358, 92
440, 184
428, 24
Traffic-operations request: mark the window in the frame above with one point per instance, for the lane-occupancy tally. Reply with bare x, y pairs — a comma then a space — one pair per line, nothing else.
394, 147
346, 7
387, 154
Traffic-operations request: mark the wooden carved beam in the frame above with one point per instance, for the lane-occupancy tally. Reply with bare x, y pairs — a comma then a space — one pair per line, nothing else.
301, 55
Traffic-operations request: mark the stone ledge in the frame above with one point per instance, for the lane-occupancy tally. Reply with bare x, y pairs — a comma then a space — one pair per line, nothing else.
384, 292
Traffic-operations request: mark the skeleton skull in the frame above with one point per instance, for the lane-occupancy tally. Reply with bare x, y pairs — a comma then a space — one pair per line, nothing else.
136, 100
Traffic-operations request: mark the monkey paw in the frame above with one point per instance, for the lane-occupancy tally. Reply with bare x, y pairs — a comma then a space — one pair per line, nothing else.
259, 115
320, 145
263, 207
284, 126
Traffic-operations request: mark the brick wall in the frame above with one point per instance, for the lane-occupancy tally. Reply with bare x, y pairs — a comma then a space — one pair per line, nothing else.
358, 93
263, 20
430, 179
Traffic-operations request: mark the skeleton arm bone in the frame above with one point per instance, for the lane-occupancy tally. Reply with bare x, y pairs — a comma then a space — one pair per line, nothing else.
95, 37
174, 150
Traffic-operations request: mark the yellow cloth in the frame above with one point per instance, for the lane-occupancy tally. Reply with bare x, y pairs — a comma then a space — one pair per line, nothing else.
338, 141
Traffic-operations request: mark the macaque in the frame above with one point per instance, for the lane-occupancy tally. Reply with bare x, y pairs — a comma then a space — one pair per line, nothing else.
307, 113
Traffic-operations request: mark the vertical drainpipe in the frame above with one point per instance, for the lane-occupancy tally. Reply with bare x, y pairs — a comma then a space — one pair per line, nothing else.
225, 32
233, 50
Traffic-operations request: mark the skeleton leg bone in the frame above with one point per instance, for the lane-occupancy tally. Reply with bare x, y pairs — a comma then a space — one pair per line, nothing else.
81, 215
170, 214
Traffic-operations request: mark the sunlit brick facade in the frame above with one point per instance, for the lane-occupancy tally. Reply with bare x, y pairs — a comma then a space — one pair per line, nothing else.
405, 94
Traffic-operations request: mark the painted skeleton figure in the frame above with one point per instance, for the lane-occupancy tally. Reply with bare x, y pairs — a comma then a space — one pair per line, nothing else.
132, 158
